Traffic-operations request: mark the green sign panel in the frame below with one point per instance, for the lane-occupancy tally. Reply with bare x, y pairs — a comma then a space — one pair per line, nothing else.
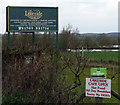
98, 73
31, 19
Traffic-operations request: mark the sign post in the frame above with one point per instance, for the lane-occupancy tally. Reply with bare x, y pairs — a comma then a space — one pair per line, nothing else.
33, 39
8, 38
57, 40
32, 19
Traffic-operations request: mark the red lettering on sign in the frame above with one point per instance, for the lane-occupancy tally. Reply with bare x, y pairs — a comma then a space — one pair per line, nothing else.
92, 84
103, 91
98, 80
89, 83
91, 94
92, 87
93, 90
106, 95
88, 90
103, 88
103, 84
97, 94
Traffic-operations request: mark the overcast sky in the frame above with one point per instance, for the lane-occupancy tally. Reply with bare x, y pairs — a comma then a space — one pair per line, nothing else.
86, 15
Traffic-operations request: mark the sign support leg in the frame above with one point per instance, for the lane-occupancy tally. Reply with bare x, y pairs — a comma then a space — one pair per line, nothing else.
8, 38
56, 40
33, 38
56, 52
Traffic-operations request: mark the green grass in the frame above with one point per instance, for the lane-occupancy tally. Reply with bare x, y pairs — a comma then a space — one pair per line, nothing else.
15, 99
104, 55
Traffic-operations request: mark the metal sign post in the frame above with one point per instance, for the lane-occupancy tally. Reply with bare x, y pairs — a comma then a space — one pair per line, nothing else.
57, 40
8, 38
33, 38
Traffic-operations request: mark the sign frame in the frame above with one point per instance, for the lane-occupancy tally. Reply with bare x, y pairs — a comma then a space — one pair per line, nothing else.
8, 19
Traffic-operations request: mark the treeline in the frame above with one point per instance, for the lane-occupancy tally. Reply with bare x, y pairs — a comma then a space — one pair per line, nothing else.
71, 38
68, 38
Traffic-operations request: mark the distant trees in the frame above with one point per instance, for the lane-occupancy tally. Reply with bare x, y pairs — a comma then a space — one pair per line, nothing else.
64, 38
89, 41
104, 40
73, 39
69, 38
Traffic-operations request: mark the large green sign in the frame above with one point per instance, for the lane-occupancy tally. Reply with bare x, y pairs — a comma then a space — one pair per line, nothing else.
31, 19
98, 73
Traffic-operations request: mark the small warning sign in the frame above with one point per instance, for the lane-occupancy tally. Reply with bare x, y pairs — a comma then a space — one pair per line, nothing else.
98, 87
98, 73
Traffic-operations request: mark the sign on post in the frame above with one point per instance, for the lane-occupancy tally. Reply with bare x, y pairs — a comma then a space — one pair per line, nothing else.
98, 87
31, 19
98, 73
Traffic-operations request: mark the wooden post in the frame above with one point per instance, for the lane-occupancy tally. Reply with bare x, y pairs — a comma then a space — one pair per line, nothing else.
115, 94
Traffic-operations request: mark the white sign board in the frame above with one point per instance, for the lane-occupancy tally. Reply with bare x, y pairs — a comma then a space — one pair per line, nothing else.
98, 87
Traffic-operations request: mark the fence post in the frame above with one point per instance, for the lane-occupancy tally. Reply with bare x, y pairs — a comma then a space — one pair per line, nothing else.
115, 94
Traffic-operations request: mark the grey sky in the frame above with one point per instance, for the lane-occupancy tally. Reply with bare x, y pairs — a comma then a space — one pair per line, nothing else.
86, 15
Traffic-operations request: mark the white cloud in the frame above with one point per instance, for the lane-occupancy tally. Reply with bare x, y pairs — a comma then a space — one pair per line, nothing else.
94, 16
87, 15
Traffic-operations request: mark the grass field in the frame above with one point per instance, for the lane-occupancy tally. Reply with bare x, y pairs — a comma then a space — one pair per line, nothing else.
104, 55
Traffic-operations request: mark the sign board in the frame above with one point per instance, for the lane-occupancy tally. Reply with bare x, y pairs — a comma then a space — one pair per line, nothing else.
98, 73
31, 19
98, 87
